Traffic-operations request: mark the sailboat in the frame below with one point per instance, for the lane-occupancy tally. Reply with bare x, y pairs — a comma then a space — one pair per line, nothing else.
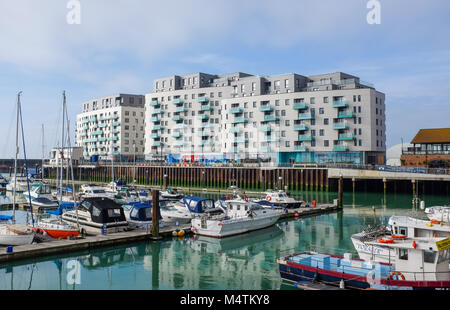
55, 227
16, 234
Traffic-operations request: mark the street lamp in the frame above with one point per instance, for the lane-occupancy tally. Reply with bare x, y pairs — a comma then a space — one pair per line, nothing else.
279, 182
203, 178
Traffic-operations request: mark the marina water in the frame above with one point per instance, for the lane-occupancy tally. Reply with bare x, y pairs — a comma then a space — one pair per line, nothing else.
245, 262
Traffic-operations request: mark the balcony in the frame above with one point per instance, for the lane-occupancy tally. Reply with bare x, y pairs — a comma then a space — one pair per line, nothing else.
339, 126
265, 129
178, 101
300, 127
266, 108
266, 150
85, 127
306, 116
177, 135
203, 116
207, 108
302, 149
271, 139
93, 119
346, 115
116, 153
97, 133
114, 139
115, 124
271, 118
300, 106
155, 103
181, 110
103, 125
340, 148
85, 121
240, 120
102, 139
240, 140
236, 110
179, 143
203, 99
235, 150
206, 125
158, 111
340, 104
155, 136
177, 118
235, 130
91, 140
347, 137
305, 138
155, 120
157, 143
158, 127
206, 143
203, 134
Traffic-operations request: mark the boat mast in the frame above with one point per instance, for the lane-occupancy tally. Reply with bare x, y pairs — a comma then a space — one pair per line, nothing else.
15, 160
134, 156
43, 154
112, 151
62, 150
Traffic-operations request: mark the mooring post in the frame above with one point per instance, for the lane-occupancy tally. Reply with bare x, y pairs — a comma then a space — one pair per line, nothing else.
354, 184
340, 192
155, 213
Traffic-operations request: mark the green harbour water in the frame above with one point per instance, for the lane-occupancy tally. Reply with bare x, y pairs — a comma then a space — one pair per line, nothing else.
244, 262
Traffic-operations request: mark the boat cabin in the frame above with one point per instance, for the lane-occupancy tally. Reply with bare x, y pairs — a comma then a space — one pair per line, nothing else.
412, 227
41, 189
238, 208
103, 210
140, 212
421, 259
198, 205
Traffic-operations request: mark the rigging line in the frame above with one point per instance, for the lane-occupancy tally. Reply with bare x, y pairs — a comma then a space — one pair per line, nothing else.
26, 165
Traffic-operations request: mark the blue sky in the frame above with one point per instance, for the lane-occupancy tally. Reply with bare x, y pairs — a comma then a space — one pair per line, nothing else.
121, 46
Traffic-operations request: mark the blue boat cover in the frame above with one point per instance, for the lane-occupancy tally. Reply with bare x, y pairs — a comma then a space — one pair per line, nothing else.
5, 218
197, 204
141, 209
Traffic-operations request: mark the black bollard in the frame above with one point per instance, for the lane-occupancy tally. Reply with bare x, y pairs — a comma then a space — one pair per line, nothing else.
155, 215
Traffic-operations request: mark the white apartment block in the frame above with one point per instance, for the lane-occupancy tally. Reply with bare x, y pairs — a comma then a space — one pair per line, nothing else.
112, 126
329, 118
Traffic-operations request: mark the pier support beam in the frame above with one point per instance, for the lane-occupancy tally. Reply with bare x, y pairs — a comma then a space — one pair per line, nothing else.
155, 214
341, 192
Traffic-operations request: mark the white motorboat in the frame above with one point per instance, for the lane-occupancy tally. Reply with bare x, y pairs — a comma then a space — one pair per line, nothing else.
438, 213
127, 196
20, 183
171, 193
399, 228
40, 196
98, 215
116, 186
43, 203
196, 206
94, 191
3, 182
240, 217
172, 215
140, 215
278, 199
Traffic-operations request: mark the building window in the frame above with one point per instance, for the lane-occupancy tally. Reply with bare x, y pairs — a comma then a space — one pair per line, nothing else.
286, 102
321, 111
354, 98
253, 86
288, 144
403, 254
326, 143
325, 99
277, 103
325, 121
359, 98
287, 123
321, 132
313, 100
286, 83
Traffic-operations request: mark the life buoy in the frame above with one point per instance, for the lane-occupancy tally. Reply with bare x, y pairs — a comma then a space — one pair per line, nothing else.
246, 198
268, 198
381, 240
229, 197
435, 222
399, 275
398, 236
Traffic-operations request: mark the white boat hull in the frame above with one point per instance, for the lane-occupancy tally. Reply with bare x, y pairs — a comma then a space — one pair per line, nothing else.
7, 237
374, 253
231, 227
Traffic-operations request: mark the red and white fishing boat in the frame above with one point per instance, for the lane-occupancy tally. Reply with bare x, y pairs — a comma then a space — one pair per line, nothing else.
56, 228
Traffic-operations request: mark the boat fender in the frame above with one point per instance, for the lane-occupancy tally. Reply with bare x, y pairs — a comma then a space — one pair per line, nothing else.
174, 233
398, 236
180, 233
268, 198
435, 222
398, 275
314, 203
193, 229
246, 198
414, 244
381, 240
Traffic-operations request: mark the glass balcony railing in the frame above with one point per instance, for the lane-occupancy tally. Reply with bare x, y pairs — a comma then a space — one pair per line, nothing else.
346, 115
177, 135
235, 150
206, 125
154, 103
102, 139
236, 110
206, 143
340, 148
115, 124
265, 129
157, 143
339, 126
178, 101
271, 118
207, 108
177, 118
203, 134
266, 108
203, 99
158, 111
97, 133
305, 138
271, 139
203, 116
235, 130
155, 136
306, 116
181, 110
300, 149
157, 127
239, 120
300, 127
340, 104
179, 143
347, 137
240, 140
266, 150
300, 106
155, 120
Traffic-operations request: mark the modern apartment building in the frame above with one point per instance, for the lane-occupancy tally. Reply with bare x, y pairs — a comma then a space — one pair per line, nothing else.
112, 126
328, 118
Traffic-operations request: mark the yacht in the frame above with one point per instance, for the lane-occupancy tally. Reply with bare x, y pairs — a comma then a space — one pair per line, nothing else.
278, 199
171, 193
56, 228
438, 213
94, 191
15, 234
116, 186
98, 215
20, 183
399, 228
40, 196
195, 206
3, 182
237, 216
140, 215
